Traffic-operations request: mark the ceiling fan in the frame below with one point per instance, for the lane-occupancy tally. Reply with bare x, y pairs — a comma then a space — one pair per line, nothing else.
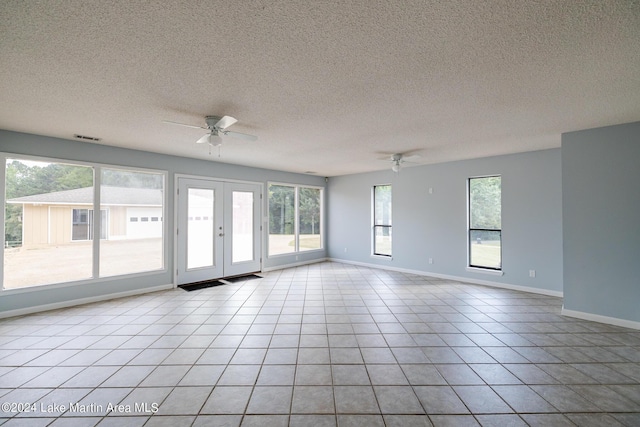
217, 127
398, 159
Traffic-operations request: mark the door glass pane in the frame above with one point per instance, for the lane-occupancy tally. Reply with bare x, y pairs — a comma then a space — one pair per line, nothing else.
242, 220
129, 241
200, 228
47, 223
104, 221
80, 228
282, 210
309, 212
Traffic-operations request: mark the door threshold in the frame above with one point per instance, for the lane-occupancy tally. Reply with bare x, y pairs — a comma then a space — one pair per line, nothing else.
201, 285
241, 278
217, 282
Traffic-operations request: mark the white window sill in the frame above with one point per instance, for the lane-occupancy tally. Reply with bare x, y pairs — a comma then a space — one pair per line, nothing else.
388, 258
485, 271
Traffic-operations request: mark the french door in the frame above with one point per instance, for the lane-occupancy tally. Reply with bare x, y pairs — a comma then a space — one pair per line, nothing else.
218, 233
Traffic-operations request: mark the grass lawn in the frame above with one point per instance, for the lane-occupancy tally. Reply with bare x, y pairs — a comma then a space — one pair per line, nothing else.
486, 254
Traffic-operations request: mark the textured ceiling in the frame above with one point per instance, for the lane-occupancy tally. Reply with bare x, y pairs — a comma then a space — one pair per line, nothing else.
327, 86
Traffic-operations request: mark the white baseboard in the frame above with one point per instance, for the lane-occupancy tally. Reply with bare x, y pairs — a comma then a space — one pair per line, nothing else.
601, 319
457, 278
295, 264
80, 301
569, 313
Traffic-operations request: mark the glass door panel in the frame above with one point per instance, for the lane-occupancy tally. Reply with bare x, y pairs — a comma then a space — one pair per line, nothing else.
242, 226
199, 231
242, 242
200, 210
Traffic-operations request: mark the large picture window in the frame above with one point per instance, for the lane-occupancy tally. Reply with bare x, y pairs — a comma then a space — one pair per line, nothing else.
295, 219
382, 220
46, 223
485, 222
130, 246
50, 223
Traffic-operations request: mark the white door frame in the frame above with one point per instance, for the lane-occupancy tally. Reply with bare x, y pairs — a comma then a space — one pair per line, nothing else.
230, 182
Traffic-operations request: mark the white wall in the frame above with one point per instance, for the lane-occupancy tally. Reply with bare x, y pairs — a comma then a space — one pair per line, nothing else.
435, 225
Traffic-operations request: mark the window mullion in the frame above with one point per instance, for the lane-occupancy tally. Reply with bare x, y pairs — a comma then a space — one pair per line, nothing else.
296, 225
3, 195
97, 171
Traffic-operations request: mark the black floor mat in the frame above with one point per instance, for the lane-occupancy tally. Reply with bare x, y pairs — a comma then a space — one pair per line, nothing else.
241, 278
201, 285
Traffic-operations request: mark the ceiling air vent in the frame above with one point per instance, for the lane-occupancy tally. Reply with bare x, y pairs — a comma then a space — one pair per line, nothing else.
86, 138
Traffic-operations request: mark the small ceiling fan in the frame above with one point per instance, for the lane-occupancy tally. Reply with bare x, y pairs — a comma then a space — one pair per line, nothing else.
398, 159
217, 127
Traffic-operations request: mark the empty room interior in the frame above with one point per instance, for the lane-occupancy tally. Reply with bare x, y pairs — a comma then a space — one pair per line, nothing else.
322, 213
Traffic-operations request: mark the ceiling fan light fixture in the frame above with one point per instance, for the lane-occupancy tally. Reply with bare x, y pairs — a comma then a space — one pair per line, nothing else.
211, 138
214, 139
396, 166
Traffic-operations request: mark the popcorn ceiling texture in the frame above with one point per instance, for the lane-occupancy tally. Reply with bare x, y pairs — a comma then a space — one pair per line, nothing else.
328, 86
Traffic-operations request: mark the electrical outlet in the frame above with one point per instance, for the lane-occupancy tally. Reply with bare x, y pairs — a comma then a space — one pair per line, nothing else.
430, 260
345, 250
532, 273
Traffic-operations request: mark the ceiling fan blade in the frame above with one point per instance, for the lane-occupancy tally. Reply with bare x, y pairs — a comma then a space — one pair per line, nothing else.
203, 139
411, 158
183, 124
225, 122
239, 135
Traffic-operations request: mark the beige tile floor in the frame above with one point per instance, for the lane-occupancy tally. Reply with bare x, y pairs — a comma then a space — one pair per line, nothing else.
321, 345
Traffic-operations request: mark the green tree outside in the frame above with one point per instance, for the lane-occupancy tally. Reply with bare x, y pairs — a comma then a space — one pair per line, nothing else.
24, 179
485, 201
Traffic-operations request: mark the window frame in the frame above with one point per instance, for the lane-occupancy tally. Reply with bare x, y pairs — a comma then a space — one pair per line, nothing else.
375, 227
95, 225
473, 267
296, 224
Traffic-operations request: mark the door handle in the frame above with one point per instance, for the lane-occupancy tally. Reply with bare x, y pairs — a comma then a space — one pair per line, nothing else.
221, 234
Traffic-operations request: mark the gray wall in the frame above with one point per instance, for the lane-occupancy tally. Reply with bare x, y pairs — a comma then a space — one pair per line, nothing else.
20, 143
601, 209
435, 225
